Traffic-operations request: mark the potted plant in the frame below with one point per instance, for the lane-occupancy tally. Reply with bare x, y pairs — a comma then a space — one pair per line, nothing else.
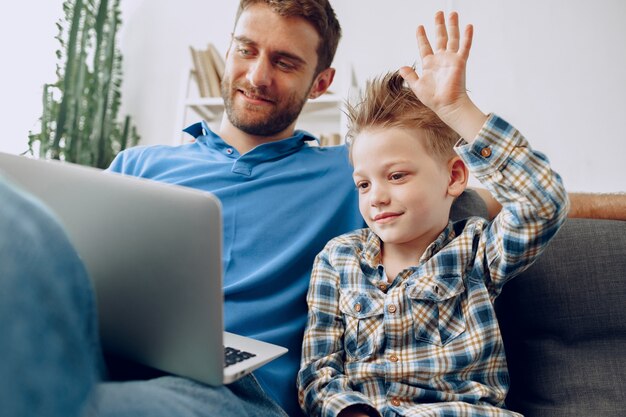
79, 122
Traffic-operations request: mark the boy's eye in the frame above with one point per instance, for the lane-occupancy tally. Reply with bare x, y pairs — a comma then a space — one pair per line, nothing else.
397, 176
362, 185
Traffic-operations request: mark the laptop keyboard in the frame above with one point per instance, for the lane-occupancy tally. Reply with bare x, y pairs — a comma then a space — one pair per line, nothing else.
233, 356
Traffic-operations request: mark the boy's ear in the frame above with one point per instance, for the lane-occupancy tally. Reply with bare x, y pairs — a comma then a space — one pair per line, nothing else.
322, 81
459, 175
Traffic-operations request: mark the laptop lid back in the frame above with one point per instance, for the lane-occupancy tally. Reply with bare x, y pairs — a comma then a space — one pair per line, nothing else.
153, 252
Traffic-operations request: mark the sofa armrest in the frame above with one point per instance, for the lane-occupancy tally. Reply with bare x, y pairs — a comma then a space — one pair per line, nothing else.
564, 325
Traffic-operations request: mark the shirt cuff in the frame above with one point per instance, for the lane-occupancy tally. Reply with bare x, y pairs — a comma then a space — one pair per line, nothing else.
492, 147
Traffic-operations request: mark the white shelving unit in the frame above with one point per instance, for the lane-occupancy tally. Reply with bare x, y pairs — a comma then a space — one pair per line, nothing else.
320, 116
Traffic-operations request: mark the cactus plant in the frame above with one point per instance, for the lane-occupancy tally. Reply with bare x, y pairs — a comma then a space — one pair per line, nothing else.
79, 122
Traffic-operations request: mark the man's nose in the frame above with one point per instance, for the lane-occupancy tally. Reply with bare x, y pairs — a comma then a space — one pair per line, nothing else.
259, 73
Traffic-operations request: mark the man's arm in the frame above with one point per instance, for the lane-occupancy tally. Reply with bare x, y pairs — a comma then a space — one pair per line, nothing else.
598, 206
582, 205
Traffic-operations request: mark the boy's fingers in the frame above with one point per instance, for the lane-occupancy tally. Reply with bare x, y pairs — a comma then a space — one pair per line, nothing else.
409, 75
422, 42
453, 31
467, 42
440, 31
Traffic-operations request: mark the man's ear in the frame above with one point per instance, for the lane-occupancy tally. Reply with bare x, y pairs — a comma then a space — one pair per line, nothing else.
322, 81
459, 175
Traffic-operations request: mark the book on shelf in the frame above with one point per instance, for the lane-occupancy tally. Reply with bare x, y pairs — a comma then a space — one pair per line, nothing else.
198, 73
330, 139
218, 61
208, 70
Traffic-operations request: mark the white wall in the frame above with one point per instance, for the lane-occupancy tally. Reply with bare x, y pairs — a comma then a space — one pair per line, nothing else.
27, 48
554, 69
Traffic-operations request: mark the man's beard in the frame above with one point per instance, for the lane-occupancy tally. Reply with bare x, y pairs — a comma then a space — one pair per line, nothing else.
275, 122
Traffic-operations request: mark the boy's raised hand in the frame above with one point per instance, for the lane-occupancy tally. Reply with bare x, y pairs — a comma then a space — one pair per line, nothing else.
441, 86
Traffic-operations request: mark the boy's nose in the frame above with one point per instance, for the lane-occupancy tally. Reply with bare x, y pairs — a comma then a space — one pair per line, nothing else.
378, 196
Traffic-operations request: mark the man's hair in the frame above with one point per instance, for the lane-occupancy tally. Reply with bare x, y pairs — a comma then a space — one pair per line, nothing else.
318, 13
388, 102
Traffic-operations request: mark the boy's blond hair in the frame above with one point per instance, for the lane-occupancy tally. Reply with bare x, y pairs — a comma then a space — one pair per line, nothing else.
388, 102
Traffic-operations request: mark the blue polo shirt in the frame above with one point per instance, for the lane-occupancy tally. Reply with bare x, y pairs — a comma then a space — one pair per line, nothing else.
282, 202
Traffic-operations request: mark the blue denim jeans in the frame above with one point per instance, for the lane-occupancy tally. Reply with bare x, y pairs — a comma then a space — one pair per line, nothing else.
174, 396
48, 335
50, 359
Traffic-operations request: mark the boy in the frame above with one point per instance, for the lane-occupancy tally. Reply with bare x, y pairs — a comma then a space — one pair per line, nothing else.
401, 320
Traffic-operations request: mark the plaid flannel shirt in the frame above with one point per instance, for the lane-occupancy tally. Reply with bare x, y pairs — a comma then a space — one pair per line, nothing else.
428, 343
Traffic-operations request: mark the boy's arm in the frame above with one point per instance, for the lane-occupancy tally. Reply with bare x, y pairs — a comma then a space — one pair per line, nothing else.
532, 195
323, 388
534, 202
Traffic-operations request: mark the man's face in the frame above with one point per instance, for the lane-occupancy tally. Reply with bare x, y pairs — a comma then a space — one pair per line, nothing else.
269, 71
403, 190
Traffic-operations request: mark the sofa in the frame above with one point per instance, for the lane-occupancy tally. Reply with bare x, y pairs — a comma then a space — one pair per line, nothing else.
563, 322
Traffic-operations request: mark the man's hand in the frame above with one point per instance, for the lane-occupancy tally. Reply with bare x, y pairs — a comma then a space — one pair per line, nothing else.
441, 85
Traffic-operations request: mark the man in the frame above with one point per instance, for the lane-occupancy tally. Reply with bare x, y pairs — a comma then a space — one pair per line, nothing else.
283, 200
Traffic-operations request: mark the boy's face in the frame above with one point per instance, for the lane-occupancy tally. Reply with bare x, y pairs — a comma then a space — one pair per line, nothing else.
269, 71
403, 190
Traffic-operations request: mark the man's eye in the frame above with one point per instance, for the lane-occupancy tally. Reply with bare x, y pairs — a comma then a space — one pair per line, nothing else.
284, 65
244, 51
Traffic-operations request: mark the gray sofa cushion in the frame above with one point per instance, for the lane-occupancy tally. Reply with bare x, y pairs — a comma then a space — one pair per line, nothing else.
564, 325
468, 204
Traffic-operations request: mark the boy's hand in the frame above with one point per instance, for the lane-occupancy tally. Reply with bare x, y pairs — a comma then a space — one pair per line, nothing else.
442, 84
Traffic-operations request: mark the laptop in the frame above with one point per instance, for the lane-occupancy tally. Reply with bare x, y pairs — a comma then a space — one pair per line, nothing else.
154, 254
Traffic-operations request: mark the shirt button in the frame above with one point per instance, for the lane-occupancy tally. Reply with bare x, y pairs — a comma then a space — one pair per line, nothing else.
357, 307
485, 152
392, 309
229, 151
395, 402
382, 287
393, 358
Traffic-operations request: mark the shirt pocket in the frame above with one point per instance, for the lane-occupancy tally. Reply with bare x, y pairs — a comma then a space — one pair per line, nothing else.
436, 309
363, 315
